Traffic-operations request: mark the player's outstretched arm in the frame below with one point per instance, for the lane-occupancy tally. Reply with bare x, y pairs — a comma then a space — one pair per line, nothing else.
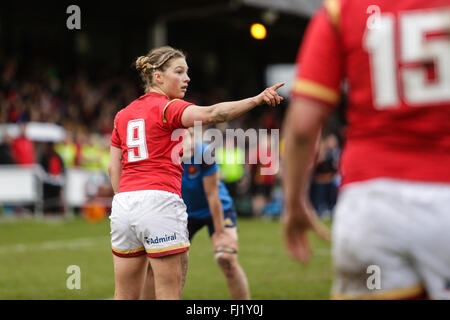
226, 111
302, 128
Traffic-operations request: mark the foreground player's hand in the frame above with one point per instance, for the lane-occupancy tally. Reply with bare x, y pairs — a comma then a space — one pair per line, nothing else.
270, 96
222, 240
299, 220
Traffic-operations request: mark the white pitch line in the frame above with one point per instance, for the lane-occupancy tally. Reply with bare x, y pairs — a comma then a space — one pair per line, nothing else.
87, 242
53, 245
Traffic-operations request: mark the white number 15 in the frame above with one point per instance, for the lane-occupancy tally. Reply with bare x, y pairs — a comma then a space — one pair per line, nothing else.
417, 45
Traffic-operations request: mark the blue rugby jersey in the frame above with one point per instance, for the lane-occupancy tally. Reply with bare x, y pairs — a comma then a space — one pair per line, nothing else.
192, 190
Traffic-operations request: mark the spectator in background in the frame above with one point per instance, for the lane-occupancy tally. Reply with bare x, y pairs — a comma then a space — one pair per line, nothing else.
98, 187
80, 139
5, 158
67, 150
262, 158
269, 121
22, 148
53, 165
91, 153
5, 151
323, 190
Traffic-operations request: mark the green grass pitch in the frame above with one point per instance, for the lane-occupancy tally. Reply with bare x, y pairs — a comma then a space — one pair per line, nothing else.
35, 254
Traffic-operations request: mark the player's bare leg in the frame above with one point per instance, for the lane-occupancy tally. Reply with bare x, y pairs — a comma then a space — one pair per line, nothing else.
169, 275
234, 274
148, 291
129, 275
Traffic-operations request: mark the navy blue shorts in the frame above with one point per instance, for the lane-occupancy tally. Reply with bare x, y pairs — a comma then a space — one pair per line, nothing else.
195, 224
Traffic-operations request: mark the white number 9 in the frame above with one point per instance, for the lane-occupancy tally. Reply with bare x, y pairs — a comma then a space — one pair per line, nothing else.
136, 140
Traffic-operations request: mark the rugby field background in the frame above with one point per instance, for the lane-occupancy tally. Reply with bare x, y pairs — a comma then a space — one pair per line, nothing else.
35, 254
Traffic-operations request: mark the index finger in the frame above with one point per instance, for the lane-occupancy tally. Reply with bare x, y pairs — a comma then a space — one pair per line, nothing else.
277, 86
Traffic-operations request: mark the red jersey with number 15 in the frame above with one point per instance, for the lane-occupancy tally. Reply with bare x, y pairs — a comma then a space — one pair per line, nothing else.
143, 130
395, 57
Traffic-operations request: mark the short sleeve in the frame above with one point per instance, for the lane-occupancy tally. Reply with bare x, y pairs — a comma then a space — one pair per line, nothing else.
115, 138
319, 64
173, 111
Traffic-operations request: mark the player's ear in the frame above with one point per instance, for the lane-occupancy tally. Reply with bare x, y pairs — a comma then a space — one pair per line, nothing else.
158, 77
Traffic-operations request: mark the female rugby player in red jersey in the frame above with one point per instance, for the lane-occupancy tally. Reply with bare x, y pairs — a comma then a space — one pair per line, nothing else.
148, 216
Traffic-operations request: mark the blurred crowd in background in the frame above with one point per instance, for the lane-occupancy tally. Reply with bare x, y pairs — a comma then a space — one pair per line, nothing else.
86, 110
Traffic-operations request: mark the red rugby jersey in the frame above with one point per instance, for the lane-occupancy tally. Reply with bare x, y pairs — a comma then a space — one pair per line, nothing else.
143, 131
395, 57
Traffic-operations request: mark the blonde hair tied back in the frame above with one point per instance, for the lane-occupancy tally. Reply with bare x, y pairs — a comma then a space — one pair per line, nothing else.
156, 59
143, 64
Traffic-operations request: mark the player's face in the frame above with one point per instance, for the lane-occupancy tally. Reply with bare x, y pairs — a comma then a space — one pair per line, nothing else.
176, 79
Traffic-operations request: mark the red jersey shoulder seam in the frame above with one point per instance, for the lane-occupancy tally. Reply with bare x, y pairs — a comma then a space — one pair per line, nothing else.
164, 110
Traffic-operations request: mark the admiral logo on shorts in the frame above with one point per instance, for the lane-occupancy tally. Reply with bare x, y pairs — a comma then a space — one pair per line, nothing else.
156, 240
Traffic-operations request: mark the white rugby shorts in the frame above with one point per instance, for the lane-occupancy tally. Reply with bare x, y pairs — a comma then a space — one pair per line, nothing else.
151, 222
391, 240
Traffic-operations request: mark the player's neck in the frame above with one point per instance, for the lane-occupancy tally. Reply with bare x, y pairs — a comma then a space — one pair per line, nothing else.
157, 90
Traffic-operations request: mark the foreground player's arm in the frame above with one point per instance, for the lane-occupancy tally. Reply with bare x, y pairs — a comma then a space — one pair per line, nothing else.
315, 94
211, 187
226, 111
115, 167
302, 129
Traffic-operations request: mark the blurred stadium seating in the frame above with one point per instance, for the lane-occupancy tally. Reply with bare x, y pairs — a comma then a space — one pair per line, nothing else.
68, 84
